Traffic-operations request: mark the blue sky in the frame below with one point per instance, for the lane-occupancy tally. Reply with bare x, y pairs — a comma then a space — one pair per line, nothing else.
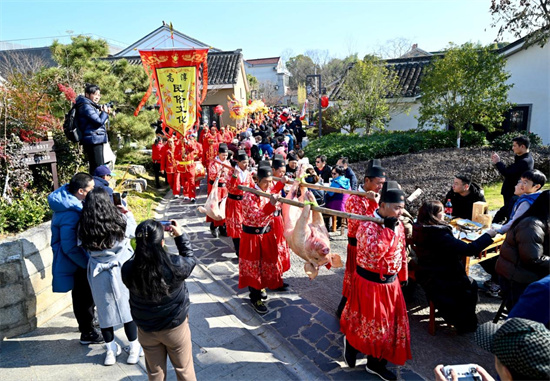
260, 28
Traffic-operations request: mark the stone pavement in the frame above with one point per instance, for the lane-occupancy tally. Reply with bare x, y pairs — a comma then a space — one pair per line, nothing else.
308, 331
299, 339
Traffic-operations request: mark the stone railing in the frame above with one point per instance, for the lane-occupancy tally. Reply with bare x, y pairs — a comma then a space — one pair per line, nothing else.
26, 297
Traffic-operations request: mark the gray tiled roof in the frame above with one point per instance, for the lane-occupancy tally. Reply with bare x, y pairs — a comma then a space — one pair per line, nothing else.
18, 57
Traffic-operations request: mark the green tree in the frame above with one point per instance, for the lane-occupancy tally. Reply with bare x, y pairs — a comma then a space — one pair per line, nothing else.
468, 86
365, 93
521, 18
299, 66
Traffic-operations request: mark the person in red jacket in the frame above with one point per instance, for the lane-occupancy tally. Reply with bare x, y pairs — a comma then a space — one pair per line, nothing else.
210, 143
186, 169
168, 164
225, 135
200, 170
157, 148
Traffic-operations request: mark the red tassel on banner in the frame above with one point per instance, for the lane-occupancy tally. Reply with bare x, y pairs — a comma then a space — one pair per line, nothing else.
144, 99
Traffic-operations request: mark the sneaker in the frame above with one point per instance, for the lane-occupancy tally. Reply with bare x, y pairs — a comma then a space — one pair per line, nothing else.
263, 294
378, 367
193, 200
493, 290
176, 196
134, 352
185, 198
260, 307
113, 350
215, 232
349, 356
93, 337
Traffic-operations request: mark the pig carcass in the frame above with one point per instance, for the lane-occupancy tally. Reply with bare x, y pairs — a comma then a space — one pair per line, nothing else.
213, 208
307, 235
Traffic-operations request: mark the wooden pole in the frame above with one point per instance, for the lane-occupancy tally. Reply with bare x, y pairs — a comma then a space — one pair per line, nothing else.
314, 207
324, 188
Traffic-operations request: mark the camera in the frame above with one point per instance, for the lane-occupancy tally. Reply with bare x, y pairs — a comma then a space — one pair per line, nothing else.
111, 104
466, 372
166, 225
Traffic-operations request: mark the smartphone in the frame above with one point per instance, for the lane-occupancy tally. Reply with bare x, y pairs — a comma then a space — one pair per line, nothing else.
166, 225
117, 198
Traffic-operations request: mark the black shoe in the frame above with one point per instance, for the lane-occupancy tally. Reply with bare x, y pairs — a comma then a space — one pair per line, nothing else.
263, 294
215, 232
93, 337
259, 306
283, 288
341, 306
223, 231
350, 356
378, 367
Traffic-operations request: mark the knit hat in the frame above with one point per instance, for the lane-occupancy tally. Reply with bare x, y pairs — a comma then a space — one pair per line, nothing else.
522, 345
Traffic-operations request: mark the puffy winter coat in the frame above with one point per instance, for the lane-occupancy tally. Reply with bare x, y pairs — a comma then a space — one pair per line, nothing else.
91, 121
524, 256
67, 255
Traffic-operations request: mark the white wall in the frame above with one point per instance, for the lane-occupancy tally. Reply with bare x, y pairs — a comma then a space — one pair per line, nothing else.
530, 71
403, 122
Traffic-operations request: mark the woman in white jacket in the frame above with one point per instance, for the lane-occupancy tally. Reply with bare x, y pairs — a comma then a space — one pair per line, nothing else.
105, 231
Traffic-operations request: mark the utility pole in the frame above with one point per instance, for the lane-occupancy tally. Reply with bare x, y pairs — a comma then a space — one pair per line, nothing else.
309, 90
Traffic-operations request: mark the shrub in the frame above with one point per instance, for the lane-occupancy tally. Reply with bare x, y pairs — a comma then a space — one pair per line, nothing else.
29, 210
388, 143
504, 142
128, 155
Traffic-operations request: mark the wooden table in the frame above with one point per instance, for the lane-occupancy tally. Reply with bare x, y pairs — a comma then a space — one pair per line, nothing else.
498, 240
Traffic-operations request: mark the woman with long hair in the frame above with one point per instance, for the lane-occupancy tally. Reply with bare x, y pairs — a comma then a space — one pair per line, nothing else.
524, 256
440, 270
159, 299
105, 231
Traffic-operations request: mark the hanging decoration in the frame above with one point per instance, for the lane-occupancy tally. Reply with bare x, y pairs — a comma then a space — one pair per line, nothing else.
324, 101
175, 73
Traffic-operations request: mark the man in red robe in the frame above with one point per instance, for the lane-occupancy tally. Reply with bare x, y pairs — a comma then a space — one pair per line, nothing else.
168, 165
374, 320
233, 208
186, 169
375, 177
217, 165
258, 259
210, 143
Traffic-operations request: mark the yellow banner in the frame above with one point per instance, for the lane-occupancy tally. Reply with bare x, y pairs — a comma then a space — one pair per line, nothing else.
178, 95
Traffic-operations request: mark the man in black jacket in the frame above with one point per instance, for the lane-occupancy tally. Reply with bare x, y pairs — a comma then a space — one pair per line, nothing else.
91, 119
463, 194
322, 169
523, 161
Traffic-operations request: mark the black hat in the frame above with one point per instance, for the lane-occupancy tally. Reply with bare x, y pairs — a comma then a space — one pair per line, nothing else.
278, 156
264, 163
292, 157
241, 155
277, 163
264, 172
222, 148
374, 169
391, 193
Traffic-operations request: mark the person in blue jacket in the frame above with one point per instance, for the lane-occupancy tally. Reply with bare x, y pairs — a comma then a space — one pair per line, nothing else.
91, 119
70, 261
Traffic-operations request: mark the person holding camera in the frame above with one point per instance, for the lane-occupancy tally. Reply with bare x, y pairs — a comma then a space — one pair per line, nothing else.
159, 299
91, 119
105, 231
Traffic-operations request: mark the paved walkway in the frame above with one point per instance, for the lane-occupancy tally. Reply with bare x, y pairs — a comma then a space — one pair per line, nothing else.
299, 339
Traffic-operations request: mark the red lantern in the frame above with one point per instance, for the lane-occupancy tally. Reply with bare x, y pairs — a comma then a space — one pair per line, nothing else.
250, 101
324, 101
218, 110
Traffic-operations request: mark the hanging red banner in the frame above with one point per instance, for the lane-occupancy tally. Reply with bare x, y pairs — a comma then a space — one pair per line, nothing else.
175, 75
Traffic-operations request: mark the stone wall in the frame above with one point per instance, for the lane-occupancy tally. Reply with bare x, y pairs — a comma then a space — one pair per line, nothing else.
26, 297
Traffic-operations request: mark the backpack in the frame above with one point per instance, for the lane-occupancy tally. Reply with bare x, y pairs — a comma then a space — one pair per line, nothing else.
70, 127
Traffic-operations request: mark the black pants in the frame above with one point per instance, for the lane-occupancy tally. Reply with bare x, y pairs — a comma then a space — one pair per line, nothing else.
237, 244
94, 154
255, 294
83, 302
130, 329
156, 169
489, 267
